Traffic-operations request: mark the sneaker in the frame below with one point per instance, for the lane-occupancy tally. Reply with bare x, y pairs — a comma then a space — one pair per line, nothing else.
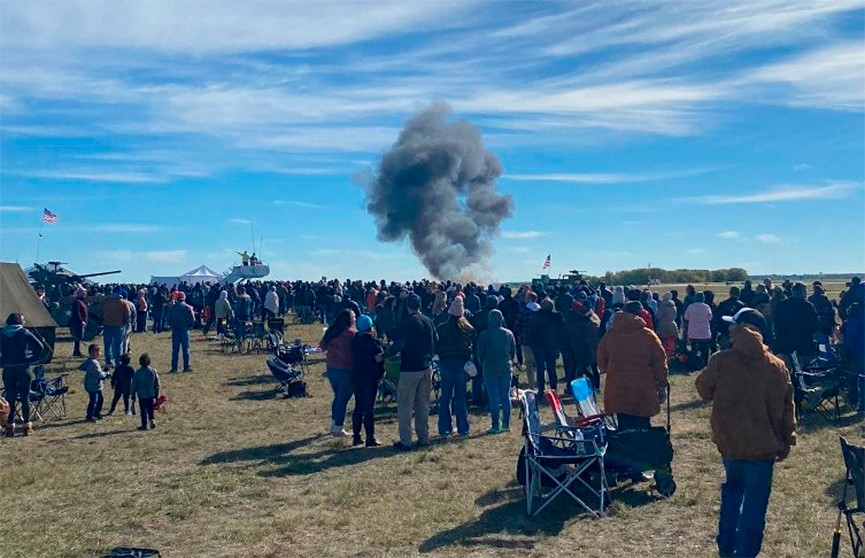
152, 424
173, 371
129, 412
187, 370
10, 430
373, 443
28, 428
399, 446
109, 413
98, 417
90, 419
493, 430
142, 428
356, 441
505, 429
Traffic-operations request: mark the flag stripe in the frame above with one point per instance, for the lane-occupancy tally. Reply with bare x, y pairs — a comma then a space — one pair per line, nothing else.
48, 216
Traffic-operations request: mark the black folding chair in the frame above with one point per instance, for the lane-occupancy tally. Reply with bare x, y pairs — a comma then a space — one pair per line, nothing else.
48, 395
854, 461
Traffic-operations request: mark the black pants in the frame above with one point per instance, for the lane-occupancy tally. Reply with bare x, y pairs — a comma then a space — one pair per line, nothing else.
17, 382
364, 409
76, 329
94, 406
145, 409
118, 393
141, 322
157, 322
632, 422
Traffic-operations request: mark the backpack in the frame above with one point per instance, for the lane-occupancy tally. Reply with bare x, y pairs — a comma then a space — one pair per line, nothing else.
297, 389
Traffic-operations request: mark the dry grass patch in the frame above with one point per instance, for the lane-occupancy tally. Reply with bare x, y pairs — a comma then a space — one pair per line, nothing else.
232, 470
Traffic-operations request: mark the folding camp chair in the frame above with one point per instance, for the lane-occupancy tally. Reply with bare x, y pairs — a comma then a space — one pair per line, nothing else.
854, 460
818, 389
48, 396
562, 459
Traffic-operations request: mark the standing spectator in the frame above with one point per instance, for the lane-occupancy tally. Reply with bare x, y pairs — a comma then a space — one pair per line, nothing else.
825, 310
698, 316
121, 382
853, 331
497, 349
78, 320
454, 349
130, 325
19, 348
145, 386
753, 426
141, 307
337, 343
548, 335
667, 329
525, 319
415, 341
855, 293
510, 309
271, 304
180, 319
746, 295
728, 307
93, 377
222, 313
796, 323
115, 316
367, 369
633, 359
582, 329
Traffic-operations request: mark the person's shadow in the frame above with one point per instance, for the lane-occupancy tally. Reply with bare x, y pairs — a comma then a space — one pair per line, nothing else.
503, 523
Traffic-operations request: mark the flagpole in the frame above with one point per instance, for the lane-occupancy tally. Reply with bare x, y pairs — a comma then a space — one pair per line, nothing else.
39, 240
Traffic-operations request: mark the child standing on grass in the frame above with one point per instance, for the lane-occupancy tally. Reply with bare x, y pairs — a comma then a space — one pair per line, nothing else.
145, 386
93, 376
121, 381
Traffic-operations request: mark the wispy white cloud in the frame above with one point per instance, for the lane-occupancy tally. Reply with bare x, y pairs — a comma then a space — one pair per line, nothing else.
298, 204
524, 235
695, 251
239, 221
833, 190
15, 208
608, 178
126, 228
768, 238
152, 256
92, 176
799, 167
730, 235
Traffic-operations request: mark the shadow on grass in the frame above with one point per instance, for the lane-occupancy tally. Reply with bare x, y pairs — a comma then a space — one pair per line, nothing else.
257, 395
503, 519
689, 405
815, 421
250, 380
316, 462
271, 453
102, 434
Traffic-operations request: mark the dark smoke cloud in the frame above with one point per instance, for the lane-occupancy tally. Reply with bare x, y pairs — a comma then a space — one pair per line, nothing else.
437, 186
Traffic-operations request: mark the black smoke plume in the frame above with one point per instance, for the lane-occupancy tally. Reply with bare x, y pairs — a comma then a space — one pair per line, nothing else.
437, 185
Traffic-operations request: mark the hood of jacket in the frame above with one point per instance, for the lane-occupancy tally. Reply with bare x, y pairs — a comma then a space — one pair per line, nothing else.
495, 319
11, 330
626, 322
748, 343
533, 306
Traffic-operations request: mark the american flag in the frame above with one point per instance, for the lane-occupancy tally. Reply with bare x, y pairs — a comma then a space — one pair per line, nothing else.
546, 263
48, 216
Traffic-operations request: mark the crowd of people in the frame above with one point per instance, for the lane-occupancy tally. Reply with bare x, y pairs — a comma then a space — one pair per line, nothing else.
485, 339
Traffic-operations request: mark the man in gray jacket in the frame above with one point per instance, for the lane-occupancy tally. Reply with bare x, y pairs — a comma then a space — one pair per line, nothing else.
181, 318
496, 351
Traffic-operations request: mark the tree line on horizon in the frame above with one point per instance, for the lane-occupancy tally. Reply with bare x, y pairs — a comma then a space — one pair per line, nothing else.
647, 275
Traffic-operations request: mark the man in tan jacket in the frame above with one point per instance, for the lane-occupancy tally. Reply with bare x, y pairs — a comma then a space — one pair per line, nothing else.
753, 426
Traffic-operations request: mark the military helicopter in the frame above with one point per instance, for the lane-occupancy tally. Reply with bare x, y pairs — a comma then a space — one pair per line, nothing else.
58, 281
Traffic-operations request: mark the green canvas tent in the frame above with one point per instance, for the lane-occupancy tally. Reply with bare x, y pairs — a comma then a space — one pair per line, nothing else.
16, 295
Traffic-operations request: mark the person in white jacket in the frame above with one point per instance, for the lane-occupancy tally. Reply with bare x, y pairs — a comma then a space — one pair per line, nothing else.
271, 304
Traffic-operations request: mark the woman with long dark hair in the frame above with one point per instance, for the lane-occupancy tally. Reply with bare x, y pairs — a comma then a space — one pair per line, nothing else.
337, 343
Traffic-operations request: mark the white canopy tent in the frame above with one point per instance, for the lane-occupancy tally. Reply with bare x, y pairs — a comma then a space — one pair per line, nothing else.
201, 274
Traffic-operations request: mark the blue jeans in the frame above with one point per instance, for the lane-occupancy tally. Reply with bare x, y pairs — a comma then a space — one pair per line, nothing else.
179, 340
94, 404
545, 361
340, 381
453, 397
744, 499
498, 390
112, 337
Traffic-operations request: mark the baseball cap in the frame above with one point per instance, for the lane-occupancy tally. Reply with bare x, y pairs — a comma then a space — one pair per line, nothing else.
747, 316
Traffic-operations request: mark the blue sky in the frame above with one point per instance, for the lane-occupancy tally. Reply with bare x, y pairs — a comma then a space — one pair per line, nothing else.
682, 134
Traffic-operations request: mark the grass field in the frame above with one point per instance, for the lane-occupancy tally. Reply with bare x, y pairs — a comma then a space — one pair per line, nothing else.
232, 470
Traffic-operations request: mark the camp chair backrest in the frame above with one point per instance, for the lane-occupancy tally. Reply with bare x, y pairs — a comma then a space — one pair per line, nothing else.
556, 405
532, 417
854, 459
584, 396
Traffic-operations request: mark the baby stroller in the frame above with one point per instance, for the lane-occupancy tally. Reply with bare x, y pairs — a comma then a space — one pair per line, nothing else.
633, 452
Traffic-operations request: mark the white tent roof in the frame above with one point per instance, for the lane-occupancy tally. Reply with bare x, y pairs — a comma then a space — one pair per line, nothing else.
201, 271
